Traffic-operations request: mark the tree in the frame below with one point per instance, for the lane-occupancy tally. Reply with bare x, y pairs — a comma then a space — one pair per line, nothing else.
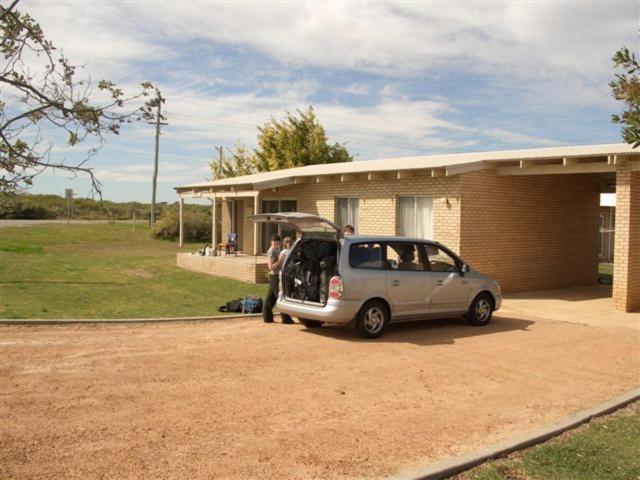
626, 87
241, 162
43, 91
293, 142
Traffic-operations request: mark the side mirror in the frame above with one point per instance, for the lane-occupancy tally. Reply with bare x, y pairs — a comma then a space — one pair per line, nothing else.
465, 269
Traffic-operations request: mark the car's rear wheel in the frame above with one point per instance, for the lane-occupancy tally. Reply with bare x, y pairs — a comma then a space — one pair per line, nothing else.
481, 310
310, 323
372, 319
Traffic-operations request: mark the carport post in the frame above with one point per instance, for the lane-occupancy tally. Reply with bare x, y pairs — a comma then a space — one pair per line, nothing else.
181, 228
256, 210
214, 223
626, 262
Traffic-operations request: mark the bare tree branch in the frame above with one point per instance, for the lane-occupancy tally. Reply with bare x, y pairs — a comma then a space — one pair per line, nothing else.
54, 96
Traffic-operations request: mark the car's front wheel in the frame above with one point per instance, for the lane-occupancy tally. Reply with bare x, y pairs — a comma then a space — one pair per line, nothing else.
310, 323
372, 319
480, 311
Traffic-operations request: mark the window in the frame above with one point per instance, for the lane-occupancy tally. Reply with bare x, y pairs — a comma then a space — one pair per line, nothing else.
366, 255
415, 216
268, 229
347, 211
441, 261
405, 256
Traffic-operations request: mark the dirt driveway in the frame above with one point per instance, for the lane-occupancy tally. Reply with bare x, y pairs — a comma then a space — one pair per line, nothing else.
239, 399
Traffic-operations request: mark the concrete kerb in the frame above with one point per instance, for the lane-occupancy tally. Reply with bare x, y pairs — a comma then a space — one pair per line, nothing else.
67, 321
450, 466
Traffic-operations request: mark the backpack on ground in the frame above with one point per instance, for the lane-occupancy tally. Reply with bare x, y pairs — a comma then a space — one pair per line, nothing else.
243, 305
251, 305
232, 306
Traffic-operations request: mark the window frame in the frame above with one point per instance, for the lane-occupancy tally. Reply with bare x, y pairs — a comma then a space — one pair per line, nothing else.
415, 215
457, 260
335, 209
422, 255
383, 255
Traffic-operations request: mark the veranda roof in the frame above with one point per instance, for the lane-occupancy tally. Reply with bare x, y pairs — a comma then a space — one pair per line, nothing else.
570, 159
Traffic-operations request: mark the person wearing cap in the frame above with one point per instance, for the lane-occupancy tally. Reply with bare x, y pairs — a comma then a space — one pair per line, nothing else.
274, 263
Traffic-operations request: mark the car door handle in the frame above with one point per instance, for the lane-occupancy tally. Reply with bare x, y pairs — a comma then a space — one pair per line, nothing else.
440, 283
395, 283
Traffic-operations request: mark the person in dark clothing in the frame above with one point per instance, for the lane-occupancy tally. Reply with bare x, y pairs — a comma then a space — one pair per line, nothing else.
274, 263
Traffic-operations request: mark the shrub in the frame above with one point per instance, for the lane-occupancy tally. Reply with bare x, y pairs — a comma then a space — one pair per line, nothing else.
197, 225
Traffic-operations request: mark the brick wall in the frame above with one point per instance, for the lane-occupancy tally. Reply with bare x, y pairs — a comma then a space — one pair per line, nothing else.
626, 268
236, 268
225, 219
533, 231
246, 242
377, 205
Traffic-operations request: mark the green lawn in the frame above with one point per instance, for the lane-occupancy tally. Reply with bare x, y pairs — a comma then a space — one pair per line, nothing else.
605, 272
607, 448
103, 271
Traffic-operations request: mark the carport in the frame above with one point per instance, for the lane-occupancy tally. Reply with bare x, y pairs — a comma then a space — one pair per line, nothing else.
616, 173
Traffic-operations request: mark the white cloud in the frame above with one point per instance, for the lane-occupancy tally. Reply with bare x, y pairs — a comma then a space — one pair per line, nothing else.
227, 67
168, 172
357, 89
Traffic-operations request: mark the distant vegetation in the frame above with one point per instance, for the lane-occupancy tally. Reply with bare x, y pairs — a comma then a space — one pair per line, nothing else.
197, 225
36, 207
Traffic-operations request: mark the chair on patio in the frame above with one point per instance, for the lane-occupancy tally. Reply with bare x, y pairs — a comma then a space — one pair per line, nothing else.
231, 245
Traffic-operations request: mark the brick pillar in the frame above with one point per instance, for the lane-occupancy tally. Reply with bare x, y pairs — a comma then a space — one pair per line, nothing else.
626, 265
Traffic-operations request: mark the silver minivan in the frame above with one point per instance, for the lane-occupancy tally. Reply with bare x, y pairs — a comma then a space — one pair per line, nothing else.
373, 280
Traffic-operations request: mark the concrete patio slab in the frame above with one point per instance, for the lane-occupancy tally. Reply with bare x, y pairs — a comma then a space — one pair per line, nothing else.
589, 305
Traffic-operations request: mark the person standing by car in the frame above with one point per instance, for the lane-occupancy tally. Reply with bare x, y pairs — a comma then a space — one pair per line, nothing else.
286, 248
348, 230
274, 263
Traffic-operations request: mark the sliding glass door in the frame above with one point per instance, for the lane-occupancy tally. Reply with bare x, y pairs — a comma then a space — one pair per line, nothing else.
268, 229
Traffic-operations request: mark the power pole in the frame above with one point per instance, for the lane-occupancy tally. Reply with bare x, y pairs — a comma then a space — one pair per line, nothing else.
157, 123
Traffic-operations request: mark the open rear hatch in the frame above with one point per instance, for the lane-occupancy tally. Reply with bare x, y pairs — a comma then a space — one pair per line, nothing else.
313, 261
305, 223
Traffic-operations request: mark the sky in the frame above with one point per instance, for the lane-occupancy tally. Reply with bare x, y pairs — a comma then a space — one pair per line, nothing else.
389, 79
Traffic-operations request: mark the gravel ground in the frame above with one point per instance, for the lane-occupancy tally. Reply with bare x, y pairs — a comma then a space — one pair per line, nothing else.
240, 399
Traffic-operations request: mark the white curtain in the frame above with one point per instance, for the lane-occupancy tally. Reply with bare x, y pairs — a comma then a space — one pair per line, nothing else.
406, 216
414, 217
347, 211
423, 217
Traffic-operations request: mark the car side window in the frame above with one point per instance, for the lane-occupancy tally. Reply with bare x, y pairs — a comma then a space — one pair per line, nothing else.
439, 260
367, 255
404, 256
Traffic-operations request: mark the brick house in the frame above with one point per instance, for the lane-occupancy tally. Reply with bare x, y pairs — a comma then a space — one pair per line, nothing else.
528, 218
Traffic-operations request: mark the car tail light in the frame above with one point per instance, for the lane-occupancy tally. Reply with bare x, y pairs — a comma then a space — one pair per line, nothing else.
336, 288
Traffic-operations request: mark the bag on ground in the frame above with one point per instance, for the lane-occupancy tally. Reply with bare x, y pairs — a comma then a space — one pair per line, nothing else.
251, 305
243, 305
232, 306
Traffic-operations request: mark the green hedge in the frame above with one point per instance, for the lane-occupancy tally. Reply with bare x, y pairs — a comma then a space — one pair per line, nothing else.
197, 225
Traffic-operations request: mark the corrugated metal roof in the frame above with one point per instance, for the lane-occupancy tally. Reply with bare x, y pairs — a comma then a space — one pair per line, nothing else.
269, 179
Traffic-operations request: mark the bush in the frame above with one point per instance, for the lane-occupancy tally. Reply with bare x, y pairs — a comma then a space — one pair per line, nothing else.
197, 225
18, 210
